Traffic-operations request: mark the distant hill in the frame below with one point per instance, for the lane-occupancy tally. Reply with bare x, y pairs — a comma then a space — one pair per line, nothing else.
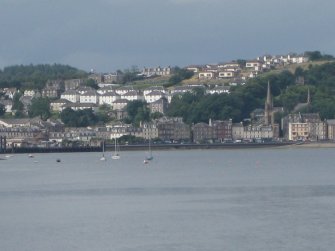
37, 75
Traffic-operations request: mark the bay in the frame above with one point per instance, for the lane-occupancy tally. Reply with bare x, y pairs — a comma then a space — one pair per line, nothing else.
241, 199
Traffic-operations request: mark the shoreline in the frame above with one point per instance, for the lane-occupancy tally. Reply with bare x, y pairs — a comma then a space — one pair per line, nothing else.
144, 147
315, 145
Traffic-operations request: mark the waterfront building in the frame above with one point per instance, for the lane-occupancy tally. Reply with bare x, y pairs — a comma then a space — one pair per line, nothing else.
202, 133
331, 129
173, 129
304, 126
222, 130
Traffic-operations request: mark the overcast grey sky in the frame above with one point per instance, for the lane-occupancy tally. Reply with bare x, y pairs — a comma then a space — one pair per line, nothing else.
107, 35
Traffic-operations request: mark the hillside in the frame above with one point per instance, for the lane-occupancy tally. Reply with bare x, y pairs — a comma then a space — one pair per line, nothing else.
35, 76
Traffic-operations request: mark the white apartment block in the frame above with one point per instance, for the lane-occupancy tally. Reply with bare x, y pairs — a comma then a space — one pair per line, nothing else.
71, 95
108, 98
132, 95
89, 97
153, 96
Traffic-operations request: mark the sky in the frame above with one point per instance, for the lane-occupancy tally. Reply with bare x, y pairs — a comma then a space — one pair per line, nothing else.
110, 35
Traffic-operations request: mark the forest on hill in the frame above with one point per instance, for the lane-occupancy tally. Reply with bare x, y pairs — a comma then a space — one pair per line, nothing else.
35, 76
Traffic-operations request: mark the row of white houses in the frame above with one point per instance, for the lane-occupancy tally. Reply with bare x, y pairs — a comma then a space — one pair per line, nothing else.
118, 98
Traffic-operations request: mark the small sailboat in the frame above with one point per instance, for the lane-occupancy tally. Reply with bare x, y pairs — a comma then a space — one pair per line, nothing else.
103, 158
116, 154
149, 156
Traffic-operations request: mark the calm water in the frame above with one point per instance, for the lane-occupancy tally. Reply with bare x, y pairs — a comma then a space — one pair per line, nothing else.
282, 199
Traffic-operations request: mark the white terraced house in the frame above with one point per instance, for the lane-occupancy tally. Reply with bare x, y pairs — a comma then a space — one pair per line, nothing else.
206, 75
106, 89
123, 90
154, 88
71, 95
219, 90
132, 95
89, 97
108, 98
226, 74
81, 106
154, 96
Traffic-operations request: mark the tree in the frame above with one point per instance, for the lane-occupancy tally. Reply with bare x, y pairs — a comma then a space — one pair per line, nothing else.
40, 107
102, 113
156, 115
91, 83
313, 55
137, 111
69, 117
2, 109
178, 76
81, 118
17, 104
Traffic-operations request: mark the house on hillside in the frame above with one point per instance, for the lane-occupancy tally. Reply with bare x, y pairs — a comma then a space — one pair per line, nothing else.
219, 90
206, 75
120, 104
226, 74
89, 97
108, 98
156, 71
159, 105
7, 103
58, 105
81, 106
153, 96
132, 95
72, 84
154, 88
71, 95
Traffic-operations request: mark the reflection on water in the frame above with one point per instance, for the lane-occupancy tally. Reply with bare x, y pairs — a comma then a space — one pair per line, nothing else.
260, 199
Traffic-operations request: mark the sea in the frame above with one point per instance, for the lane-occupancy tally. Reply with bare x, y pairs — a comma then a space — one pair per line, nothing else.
182, 200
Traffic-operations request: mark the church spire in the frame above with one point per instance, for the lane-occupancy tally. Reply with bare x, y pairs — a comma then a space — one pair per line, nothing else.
268, 107
268, 95
308, 97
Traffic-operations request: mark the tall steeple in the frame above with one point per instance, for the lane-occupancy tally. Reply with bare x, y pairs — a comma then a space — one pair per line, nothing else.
268, 115
308, 97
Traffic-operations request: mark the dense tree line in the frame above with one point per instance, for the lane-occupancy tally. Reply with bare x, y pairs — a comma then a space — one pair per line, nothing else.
178, 75
35, 76
81, 118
